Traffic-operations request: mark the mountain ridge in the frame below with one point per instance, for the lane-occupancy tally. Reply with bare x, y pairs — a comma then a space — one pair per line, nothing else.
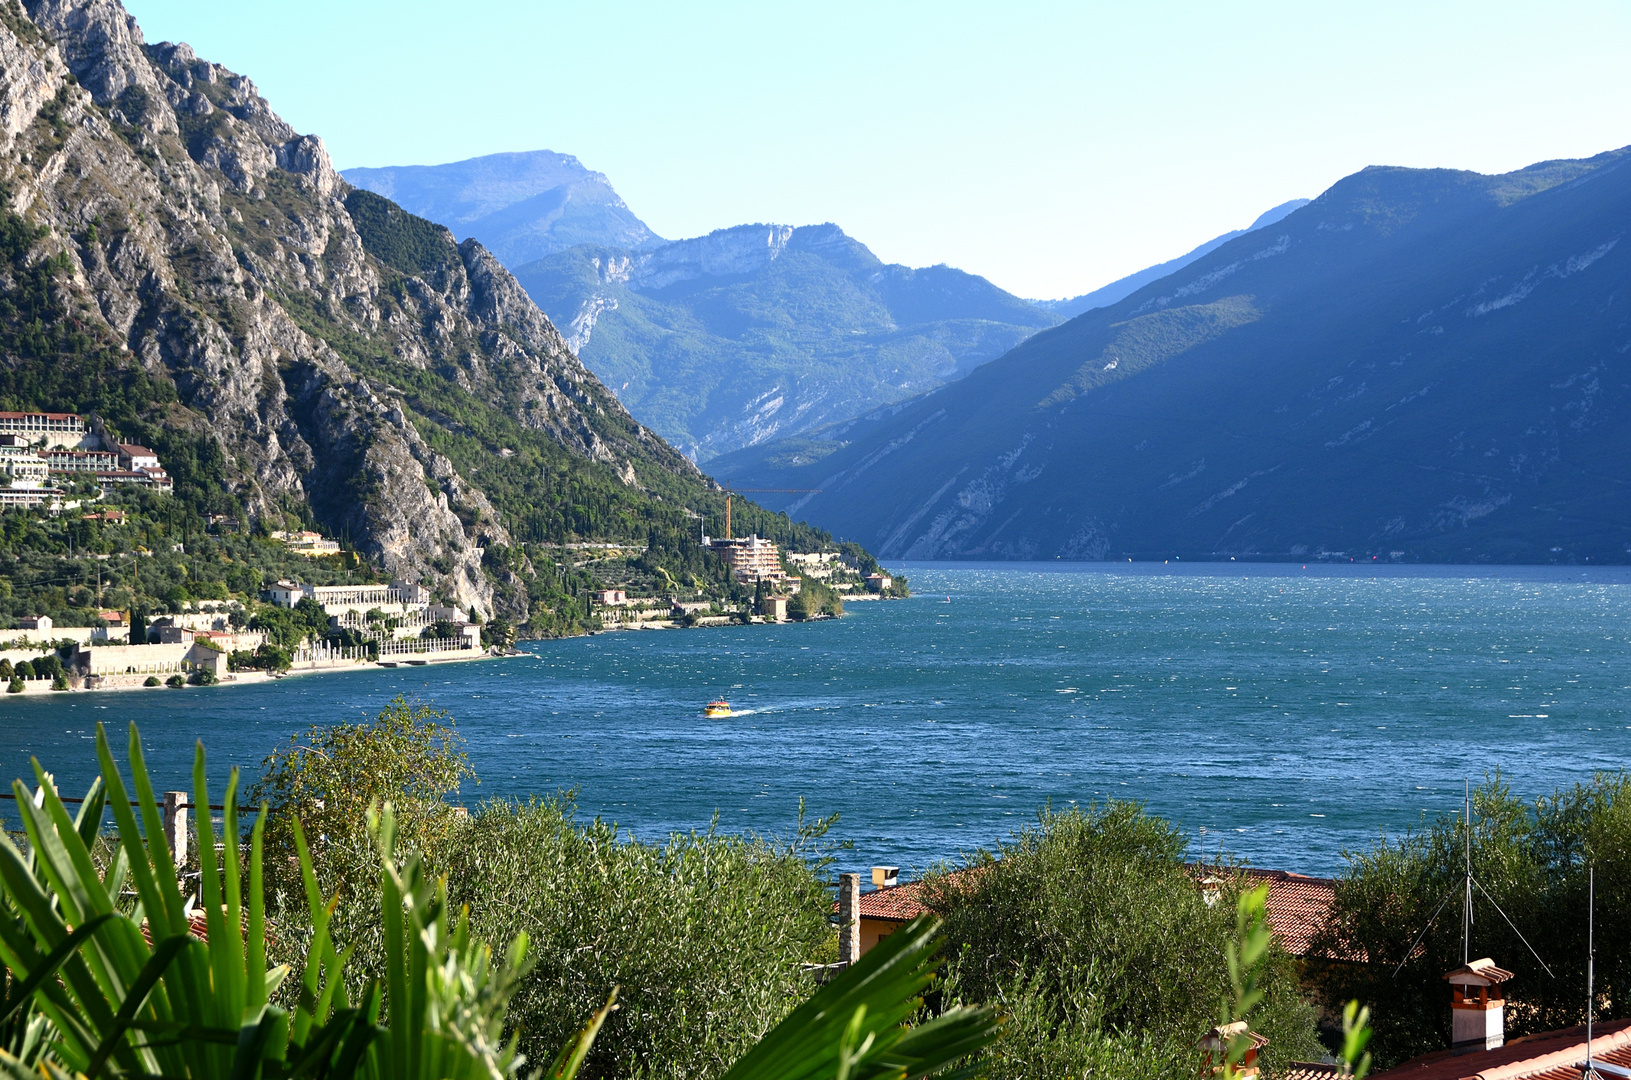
522, 205
1123, 287
755, 331
1420, 364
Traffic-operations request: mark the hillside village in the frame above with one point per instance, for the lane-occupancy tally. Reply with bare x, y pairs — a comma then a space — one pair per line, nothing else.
42, 451
296, 600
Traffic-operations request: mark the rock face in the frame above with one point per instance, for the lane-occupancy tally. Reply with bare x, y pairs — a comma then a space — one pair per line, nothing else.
765, 331
1419, 365
219, 247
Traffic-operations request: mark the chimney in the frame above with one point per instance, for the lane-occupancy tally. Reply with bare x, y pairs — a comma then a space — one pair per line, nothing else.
1216, 1045
884, 877
1477, 1006
849, 918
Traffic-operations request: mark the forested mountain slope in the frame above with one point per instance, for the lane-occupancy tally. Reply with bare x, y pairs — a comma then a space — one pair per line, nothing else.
180, 261
763, 331
1420, 364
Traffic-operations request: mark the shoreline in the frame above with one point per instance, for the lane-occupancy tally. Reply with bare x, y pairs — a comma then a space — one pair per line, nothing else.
128, 683
250, 678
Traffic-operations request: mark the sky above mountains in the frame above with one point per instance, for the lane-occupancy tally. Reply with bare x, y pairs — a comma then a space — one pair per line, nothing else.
1049, 147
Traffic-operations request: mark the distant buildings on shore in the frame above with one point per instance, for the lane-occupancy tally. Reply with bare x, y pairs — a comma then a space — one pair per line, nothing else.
39, 447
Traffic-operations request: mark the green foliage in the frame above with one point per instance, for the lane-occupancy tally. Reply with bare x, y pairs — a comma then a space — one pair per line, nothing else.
814, 598
151, 680
1356, 1035
702, 933
24, 670
855, 1026
114, 1002
15, 686
1531, 859
55, 565
400, 240
329, 777
175, 682
1042, 925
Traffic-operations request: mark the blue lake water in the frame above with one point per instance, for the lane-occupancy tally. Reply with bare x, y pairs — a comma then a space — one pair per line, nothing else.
1289, 712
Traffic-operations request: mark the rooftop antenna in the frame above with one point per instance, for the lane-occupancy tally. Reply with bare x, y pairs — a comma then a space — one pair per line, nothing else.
1591, 962
1466, 906
1468, 883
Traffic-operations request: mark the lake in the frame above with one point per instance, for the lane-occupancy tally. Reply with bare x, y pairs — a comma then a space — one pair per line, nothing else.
1288, 712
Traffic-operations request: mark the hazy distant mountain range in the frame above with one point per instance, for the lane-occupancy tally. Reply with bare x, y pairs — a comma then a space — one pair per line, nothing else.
725, 340
519, 206
1106, 295
768, 330
743, 336
1419, 364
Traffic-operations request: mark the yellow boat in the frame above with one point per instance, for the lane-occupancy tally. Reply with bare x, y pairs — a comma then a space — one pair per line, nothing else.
717, 708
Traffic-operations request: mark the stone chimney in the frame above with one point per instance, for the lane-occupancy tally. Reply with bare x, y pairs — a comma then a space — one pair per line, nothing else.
849, 918
884, 877
1477, 1006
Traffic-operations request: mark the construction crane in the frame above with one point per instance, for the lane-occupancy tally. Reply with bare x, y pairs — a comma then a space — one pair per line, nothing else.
729, 492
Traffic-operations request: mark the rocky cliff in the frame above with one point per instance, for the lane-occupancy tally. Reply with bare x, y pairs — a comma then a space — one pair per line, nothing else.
338, 352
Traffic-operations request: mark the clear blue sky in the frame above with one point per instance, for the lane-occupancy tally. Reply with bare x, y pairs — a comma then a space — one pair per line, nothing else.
1050, 147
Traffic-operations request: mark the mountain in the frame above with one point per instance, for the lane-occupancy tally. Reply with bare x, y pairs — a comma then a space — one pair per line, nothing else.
184, 264
520, 206
1421, 364
762, 331
1106, 295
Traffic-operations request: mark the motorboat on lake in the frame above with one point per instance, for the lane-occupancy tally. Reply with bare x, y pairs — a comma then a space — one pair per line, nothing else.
718, 708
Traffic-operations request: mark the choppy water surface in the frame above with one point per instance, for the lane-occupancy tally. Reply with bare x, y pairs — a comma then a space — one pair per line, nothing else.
1289, 712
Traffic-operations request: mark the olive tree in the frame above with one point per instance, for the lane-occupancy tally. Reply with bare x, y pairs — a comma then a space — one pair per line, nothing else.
1096, 940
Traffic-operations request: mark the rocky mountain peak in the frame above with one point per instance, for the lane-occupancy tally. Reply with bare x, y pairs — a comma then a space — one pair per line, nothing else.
216, 249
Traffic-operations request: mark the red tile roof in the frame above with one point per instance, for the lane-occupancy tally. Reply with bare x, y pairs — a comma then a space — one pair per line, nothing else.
1551, 1055
1298, 905
896, 903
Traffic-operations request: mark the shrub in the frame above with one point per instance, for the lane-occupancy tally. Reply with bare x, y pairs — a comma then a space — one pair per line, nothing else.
202, 677
330, 777
24, 670
702, 933
15, 686
89, 985
151, 680
60, 683
1093, 932
175, 682
5, 669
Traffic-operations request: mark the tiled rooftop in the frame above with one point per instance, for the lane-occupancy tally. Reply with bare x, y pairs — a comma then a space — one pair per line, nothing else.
1297, 904
1551, 1055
